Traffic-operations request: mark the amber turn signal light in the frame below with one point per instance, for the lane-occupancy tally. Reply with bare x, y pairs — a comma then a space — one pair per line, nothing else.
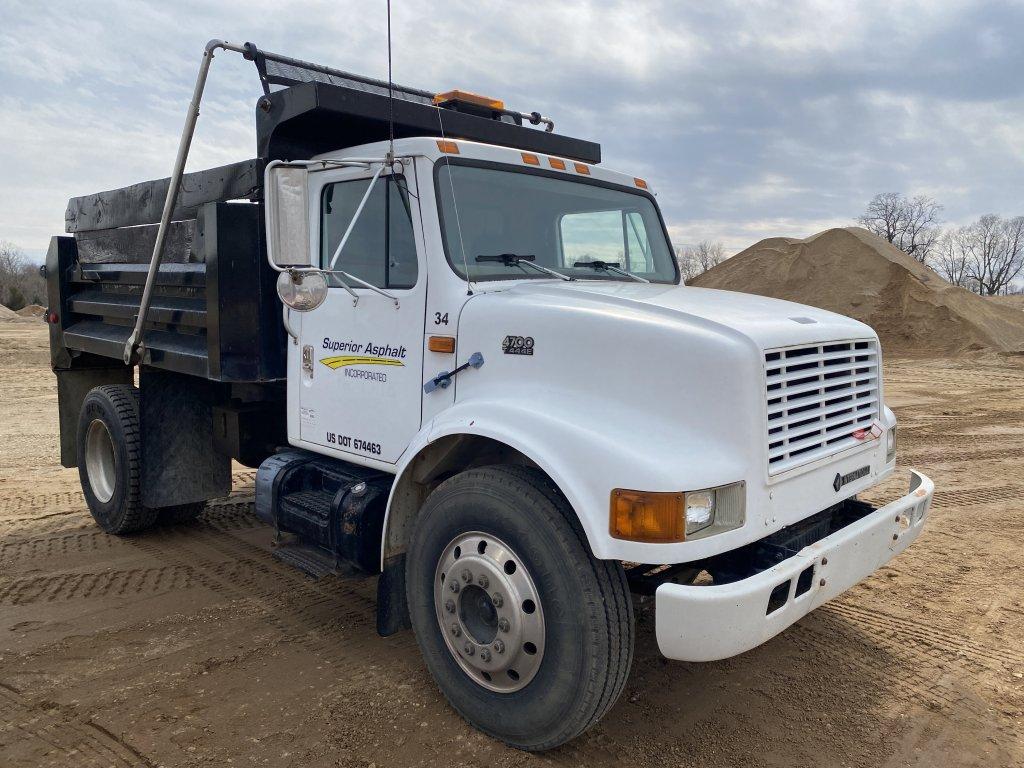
530, 159
448, 147
656, 518
441, 344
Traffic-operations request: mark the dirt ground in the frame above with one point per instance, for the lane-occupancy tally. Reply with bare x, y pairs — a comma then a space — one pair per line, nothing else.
192, 646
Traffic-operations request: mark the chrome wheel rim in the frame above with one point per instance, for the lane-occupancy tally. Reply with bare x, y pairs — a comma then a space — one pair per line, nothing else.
489, 612
99, 461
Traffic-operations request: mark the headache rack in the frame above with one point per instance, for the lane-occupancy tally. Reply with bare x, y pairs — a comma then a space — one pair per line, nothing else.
180, 263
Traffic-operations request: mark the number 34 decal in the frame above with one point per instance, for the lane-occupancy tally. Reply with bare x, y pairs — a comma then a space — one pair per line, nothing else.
440, 319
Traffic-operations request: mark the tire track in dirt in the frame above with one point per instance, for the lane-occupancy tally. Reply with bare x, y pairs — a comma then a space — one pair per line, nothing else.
95, 585
969, 497
62, 740
957, 648
86, 538
74, 531
330, 618
287, 597
921, 677
56, 546
64, 501
918, 456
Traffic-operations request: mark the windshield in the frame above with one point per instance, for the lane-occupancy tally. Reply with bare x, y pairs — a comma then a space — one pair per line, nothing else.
557, 222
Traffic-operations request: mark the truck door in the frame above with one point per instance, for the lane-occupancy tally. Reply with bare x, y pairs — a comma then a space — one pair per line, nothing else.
362, 356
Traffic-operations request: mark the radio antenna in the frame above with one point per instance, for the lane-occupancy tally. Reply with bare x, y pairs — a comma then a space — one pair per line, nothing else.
391, 97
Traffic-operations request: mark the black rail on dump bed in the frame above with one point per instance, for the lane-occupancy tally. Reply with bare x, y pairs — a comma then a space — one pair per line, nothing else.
215, 313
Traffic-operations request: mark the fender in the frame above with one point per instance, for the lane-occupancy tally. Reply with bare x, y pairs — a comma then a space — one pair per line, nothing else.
631, 449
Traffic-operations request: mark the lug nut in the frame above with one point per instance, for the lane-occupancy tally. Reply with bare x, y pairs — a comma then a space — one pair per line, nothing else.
466, 575
485, 655
499, 646
469, 649
456, 630
824, 561
821, 583
450, 606
497, 599
483, 581
454, 586
503, 624
895, 536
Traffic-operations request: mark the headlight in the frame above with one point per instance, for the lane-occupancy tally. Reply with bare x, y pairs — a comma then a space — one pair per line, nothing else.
890, 445
700, 510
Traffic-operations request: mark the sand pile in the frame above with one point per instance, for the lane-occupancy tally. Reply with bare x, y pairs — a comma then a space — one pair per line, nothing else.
855, 273
1014, 302
32, 310
10, 316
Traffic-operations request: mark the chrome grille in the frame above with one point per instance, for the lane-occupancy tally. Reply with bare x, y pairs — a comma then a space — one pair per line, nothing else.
818, 396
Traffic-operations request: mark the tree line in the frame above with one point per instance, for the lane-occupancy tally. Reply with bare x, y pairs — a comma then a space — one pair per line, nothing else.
985, 256
20, 281
697, 259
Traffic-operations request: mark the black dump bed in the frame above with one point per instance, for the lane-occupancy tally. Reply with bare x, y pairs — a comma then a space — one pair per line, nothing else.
215, 313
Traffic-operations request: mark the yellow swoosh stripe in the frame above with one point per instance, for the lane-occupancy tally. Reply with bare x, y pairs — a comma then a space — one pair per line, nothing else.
343, 360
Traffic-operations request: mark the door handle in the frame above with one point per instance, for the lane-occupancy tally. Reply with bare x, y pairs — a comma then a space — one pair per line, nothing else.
307, 360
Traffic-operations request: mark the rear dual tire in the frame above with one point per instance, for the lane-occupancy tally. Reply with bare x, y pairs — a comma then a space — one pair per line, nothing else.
565, 656
110, 464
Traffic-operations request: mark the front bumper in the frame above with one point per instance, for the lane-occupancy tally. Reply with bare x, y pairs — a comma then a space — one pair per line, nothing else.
706, 623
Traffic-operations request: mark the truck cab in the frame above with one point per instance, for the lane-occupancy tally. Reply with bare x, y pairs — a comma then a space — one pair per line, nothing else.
494, 394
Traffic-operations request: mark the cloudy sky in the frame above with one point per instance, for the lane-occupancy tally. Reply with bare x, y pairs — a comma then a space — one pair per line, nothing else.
751, 119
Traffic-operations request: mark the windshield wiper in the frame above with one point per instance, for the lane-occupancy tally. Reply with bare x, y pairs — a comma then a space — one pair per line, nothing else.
610, 266
517, 260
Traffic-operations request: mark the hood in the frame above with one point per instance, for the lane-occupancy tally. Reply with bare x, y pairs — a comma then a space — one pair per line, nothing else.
769, 323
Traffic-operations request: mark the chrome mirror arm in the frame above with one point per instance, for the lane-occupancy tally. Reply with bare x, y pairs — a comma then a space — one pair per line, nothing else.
365, 284
355, 216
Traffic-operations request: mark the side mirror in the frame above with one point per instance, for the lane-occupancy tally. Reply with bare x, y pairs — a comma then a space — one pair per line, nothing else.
302, 290
287, 196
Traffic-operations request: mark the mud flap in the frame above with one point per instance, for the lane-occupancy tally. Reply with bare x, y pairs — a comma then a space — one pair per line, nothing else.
392, 605
180, 463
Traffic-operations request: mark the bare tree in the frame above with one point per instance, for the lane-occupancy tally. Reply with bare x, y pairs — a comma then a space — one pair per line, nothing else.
20, 282
951, 258
1013, 234
909, 223
697, 259
997, 252
985, 257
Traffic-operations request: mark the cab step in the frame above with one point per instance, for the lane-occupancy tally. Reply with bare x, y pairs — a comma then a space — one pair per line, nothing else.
334, 509
312, 560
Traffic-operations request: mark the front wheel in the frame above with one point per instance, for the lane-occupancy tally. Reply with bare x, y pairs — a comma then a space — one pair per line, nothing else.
526, 633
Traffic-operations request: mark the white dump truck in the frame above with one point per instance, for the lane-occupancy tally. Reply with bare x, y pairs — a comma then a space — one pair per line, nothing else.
458, 350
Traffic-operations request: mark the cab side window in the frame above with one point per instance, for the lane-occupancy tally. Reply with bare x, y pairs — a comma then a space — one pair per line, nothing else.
381, 249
